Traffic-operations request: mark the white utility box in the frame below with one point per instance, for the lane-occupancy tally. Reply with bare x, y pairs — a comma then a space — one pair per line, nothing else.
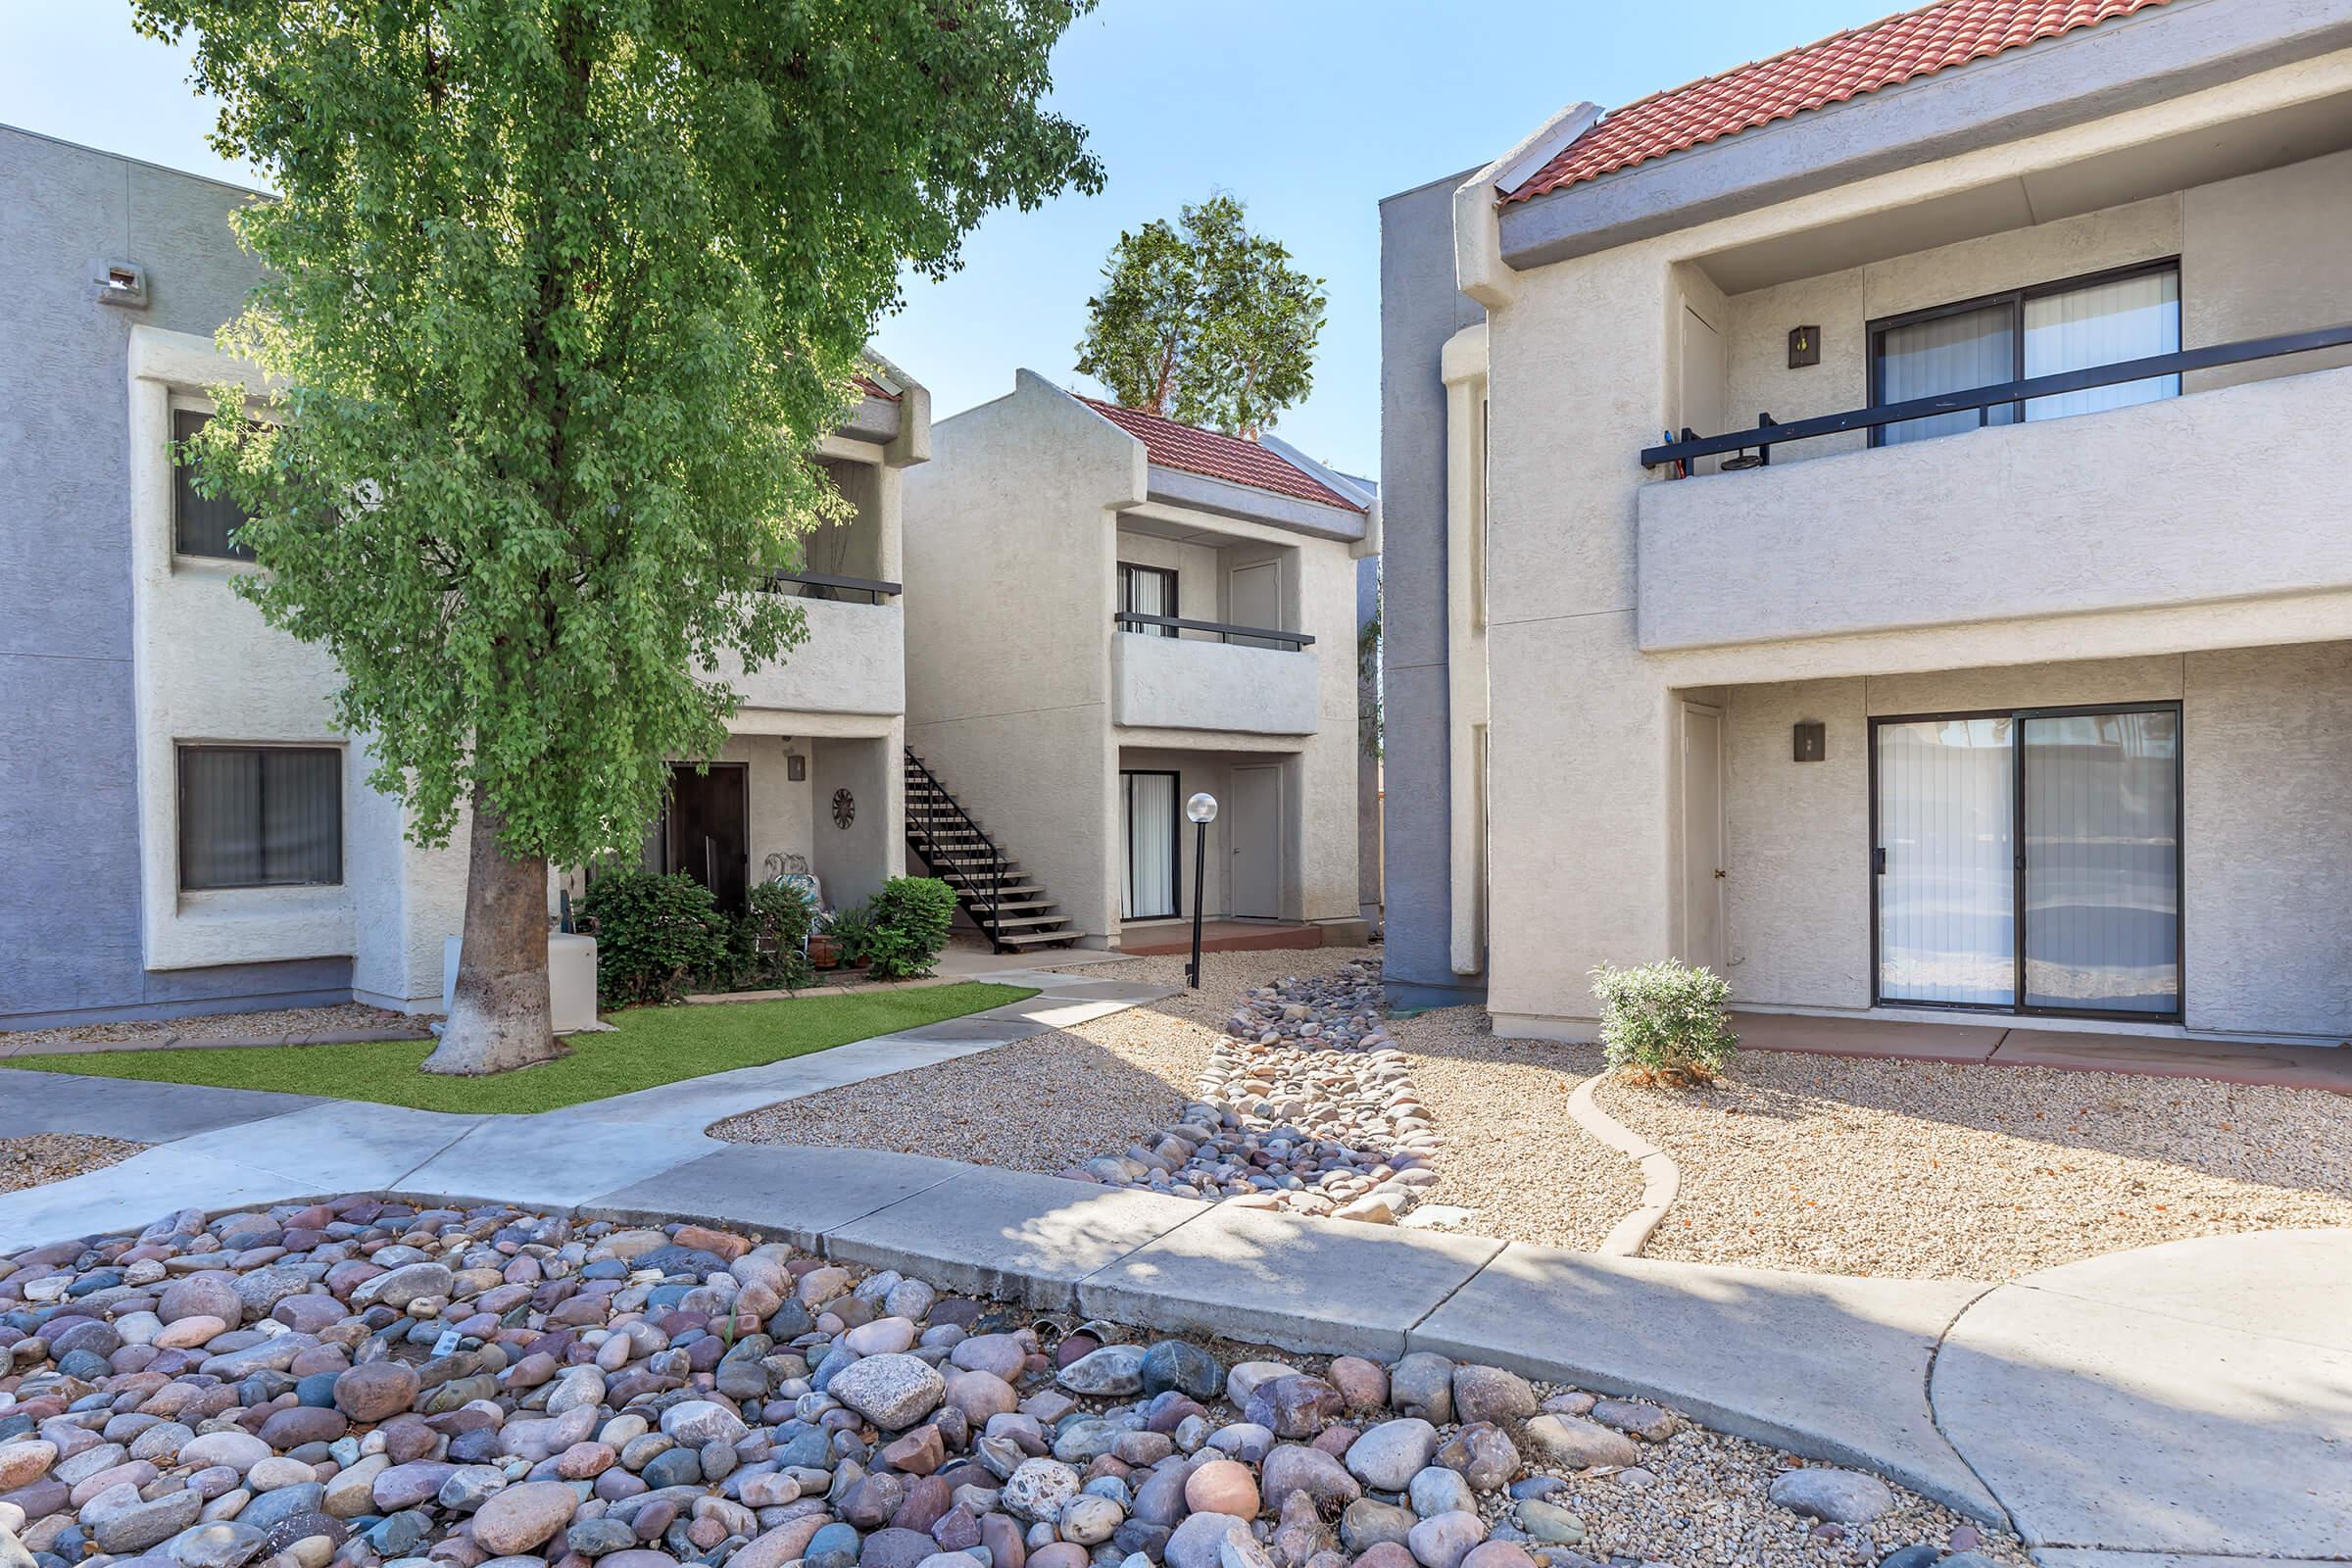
570, 980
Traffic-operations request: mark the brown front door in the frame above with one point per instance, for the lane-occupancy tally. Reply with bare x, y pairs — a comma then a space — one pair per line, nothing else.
708, 835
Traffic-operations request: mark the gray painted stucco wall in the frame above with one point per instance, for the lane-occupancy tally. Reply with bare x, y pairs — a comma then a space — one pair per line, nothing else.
1367, 767
1419, 309
70, 934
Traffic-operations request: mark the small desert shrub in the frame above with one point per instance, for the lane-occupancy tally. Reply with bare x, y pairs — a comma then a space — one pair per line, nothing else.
1665, 1022
909, 918
655, 936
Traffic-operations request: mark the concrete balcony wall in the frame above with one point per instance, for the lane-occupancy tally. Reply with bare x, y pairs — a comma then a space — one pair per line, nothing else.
2228, 495
853, 660
1177, 683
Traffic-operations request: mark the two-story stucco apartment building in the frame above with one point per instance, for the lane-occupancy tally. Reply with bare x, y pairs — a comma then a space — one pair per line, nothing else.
181, 829
1109, 612
1783, 575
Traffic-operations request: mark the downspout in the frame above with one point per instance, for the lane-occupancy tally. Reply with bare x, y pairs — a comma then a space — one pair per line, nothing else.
1463, 366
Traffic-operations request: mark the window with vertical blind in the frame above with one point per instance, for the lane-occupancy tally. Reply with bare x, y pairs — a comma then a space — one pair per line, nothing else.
2105, 319
259, 817
2030, 860
1148, 591
201, 526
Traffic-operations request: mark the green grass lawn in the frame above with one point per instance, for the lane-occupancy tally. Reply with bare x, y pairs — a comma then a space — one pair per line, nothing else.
653, 1045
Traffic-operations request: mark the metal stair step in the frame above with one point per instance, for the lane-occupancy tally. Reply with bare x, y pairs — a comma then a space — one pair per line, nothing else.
1036, 939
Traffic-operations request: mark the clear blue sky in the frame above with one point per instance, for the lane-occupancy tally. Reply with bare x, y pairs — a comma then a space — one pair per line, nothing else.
1310, 111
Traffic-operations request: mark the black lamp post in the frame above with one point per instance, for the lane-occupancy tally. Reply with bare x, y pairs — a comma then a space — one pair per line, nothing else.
1202, 809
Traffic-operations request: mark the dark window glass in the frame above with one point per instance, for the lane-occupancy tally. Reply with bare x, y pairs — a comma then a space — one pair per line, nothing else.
200, 527
2076, 326
259, 817
1148, 590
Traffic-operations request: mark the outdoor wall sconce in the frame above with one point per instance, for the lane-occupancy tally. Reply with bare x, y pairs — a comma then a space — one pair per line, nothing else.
1812, 741
796, 768
1804, 347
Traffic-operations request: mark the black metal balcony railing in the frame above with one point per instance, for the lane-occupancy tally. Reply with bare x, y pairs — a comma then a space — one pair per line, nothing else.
822, 585
1769, 433
1132, 620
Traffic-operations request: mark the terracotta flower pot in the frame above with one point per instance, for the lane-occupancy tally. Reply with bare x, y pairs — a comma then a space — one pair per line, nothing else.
824, 952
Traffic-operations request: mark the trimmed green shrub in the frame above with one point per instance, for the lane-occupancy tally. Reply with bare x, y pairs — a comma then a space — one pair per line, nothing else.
910, 917
655, 936
1665, 1022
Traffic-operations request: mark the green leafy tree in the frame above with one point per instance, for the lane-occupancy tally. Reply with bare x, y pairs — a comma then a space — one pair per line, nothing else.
1203, 321
561, 295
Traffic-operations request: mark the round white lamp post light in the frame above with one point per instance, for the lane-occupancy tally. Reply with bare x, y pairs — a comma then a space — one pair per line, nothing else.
1202, 809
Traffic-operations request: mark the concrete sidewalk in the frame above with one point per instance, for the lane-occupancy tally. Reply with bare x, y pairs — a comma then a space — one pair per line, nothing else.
2192, 1399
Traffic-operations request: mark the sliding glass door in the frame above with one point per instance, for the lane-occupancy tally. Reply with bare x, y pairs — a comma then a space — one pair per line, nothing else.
1948, 851
2102, 873
1147, 880
2030, 860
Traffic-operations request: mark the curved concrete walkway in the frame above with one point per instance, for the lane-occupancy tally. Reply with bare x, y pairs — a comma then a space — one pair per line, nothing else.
2160, 1407
2190, 1398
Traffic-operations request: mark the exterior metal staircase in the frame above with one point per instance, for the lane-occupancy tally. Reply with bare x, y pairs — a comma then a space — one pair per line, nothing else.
1011, 908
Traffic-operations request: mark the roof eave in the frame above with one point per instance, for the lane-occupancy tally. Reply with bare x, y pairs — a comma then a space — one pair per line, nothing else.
1227, 498
2087, 74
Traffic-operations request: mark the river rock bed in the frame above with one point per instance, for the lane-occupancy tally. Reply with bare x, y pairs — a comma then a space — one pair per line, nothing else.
364, 1382
1306, 1106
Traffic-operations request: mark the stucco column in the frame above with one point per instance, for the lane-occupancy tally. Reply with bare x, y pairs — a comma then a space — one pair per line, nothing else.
1581, 794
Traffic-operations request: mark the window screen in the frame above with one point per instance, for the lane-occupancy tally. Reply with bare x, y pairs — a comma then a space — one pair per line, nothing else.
259, 817
200, 527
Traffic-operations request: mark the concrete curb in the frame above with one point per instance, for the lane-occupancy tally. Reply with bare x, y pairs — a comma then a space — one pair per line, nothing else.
1661, 1179
96, 1048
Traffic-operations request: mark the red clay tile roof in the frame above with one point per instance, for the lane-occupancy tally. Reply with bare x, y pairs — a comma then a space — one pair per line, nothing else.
1848, 64
1218, 456
875, 389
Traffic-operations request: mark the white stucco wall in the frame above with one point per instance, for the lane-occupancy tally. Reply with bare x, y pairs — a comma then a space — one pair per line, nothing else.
853, 660
1170, 683
1027, 507
209, 668
2126, 508
1009, 592
2267, 818
1582, 374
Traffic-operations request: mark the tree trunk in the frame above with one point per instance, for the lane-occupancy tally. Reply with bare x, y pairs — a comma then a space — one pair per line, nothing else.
498, 1018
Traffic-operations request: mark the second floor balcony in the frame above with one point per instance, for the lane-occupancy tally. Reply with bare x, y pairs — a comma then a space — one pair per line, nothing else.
853, 659
2165, 496
1167, 673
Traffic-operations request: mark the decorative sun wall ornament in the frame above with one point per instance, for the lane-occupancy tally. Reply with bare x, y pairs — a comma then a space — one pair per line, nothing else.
845, 808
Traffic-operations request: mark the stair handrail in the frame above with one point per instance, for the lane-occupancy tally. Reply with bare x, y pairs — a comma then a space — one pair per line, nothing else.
996, 881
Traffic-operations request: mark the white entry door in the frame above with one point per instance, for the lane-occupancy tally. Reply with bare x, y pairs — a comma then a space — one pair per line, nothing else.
1704, 378
1255, 835
1253, 598
1703, 836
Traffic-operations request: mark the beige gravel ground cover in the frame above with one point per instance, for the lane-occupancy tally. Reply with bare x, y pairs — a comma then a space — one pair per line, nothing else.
1050, 1102
39, 1158
1931, 1170
341, 1016
1511, 1155
1710, 1503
